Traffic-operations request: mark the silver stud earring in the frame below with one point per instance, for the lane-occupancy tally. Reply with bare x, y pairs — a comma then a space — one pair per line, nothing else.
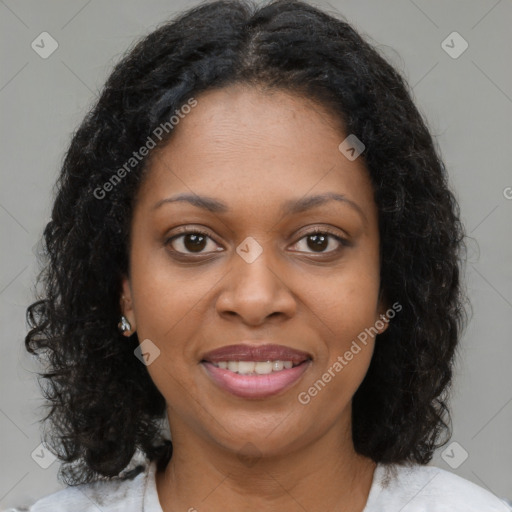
124, 326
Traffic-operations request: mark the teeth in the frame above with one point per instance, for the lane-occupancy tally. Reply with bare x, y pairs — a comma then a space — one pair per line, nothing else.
277, 366
245, 367
253, 367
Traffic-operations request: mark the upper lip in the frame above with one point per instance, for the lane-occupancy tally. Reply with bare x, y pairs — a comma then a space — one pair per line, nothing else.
246, 352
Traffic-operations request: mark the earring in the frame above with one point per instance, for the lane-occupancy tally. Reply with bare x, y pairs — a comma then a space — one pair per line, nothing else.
124, 326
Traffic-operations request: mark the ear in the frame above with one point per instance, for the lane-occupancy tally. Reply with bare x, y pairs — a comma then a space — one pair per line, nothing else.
381, 320
126, 304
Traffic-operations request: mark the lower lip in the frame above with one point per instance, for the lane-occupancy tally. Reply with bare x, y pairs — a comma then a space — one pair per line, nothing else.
255, 386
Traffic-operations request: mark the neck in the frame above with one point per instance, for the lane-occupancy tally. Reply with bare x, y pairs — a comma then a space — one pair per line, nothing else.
326, 474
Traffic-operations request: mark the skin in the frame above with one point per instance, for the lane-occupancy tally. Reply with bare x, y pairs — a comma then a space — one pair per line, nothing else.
253, 150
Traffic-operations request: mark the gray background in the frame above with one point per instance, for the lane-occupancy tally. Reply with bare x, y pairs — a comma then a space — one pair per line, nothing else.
467, 101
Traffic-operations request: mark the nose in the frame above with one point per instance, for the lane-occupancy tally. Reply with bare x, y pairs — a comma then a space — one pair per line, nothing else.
256, 291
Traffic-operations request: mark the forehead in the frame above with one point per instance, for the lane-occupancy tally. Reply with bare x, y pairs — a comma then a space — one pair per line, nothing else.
240, 143
244, 114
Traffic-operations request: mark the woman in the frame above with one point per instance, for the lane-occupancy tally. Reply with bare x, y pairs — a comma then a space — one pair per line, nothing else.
253, 238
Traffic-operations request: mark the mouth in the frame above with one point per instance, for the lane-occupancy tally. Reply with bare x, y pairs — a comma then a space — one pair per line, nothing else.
255, 367
251, 371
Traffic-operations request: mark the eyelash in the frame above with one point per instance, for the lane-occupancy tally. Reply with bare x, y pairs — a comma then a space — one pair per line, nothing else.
316, 231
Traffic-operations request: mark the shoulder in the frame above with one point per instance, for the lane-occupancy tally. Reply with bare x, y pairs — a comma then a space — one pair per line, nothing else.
104, 495
428, 488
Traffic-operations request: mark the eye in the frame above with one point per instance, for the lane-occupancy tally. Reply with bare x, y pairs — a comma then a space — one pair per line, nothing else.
320, 239
195, 241
190, 241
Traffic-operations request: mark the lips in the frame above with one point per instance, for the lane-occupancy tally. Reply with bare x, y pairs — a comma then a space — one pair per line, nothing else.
255, 386
247, 352
228, 368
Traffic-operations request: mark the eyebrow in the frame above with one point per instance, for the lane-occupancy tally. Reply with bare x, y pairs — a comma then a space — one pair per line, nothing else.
290, 207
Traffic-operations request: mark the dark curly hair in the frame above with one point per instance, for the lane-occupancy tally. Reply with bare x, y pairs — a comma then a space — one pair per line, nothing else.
103, 403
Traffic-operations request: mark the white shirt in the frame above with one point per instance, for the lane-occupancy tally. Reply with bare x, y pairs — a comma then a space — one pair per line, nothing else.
414, 488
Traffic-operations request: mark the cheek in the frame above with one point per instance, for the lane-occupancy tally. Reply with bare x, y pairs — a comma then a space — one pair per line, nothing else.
168, 311
345, 310
166, 296
346, 316
347, 301
170, 307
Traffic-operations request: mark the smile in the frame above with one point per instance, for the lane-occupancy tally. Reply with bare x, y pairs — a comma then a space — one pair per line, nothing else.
255, 367
255, 379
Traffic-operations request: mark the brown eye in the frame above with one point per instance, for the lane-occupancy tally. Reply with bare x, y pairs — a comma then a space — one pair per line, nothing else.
190, 242
320, 240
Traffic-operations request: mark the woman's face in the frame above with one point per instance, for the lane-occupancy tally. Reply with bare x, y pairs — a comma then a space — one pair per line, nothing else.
256, 275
